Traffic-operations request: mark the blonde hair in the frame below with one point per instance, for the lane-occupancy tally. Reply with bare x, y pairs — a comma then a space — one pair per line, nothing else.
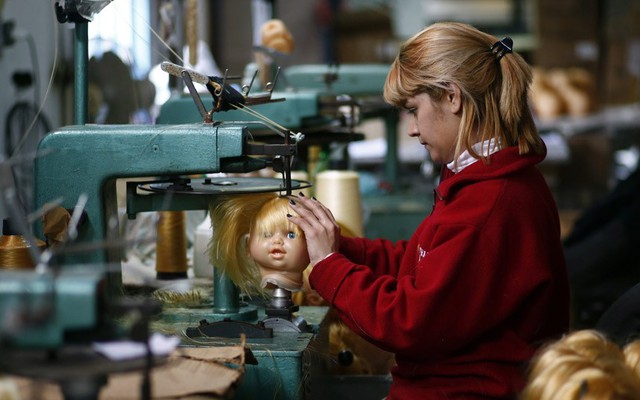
494, 91
584, 365
234, 219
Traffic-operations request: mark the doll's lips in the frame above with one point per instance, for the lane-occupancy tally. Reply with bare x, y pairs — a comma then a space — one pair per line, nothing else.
277, 253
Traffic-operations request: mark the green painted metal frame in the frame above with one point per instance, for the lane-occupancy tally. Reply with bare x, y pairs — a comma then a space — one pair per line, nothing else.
70, 298
77, 160
302, 106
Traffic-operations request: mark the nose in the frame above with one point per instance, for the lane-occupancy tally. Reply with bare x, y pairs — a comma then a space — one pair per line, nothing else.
277, 239
412, 129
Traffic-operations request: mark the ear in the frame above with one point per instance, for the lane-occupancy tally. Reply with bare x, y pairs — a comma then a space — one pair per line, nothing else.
454, 98
245, 243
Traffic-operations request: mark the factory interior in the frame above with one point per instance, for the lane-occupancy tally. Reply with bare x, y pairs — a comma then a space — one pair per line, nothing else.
116, 142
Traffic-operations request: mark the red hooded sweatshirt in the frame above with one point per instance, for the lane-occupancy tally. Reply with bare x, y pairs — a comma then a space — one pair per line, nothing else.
467, 300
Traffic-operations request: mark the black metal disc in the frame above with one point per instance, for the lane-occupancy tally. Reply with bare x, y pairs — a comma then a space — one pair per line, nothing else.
223, 185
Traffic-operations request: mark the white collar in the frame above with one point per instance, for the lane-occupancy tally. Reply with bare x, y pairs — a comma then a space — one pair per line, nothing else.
485, 148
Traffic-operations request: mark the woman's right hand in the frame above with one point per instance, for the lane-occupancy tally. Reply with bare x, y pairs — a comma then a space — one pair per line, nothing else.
320, 228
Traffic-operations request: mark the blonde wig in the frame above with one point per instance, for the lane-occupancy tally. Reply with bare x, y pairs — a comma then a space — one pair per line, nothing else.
494, 91
583, 365
234, 219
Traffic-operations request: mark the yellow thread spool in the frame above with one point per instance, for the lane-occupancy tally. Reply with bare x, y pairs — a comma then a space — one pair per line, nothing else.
340, 192
171, 246
191, 30
14, 252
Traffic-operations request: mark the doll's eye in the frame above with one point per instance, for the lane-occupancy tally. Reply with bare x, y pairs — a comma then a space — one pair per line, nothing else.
267, 235
291, 235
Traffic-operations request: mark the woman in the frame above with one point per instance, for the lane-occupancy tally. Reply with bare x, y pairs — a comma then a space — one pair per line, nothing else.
482, 282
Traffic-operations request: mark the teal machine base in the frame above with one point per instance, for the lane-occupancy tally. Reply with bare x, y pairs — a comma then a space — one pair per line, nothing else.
287, 363
293, 366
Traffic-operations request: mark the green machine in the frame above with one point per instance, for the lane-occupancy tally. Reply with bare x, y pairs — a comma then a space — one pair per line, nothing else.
78, 293
325, 102
50, 313
86, 160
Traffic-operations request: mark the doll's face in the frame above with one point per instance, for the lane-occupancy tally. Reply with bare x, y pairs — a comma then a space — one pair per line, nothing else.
279, 248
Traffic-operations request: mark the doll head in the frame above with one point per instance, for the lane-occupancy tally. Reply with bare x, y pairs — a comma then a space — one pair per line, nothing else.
254, 243
277, 246
583, 365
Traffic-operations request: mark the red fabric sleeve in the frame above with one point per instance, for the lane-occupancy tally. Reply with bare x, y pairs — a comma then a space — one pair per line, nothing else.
382, 257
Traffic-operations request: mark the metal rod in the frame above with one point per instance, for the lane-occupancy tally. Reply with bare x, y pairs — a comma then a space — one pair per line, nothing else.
226, 296
81, 78
196, 97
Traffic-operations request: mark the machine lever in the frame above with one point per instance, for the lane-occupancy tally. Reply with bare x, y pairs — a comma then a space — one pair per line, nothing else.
224, 95
196, 97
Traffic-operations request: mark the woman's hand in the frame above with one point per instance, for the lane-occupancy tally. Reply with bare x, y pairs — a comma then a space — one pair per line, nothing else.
320, 228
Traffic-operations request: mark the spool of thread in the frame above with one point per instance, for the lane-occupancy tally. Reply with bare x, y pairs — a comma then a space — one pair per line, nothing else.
202, 267
191, 30
171, 246
340, 192
14, 252
313, 161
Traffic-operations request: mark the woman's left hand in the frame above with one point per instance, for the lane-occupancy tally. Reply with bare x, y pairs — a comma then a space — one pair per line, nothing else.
320, 228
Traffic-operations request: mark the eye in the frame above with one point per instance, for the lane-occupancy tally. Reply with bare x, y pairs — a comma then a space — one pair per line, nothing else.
412, 110
266, 235
291, 235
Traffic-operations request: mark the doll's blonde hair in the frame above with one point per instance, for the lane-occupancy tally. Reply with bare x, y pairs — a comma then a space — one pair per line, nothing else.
234, 219
494, 90
584, 365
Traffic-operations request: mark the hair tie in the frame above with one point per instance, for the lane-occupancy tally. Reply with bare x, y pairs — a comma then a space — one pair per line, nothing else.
502, 47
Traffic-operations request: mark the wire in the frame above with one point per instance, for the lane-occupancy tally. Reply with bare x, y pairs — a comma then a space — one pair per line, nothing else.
21, 115
280, 129
156, 35
38, 116
18, 129
34, 61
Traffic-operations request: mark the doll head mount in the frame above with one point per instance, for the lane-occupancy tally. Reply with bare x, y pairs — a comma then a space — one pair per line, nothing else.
255, 245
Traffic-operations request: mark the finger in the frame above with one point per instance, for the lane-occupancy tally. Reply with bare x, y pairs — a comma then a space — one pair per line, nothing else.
302, 223
320, 240
321, 212
316, 221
